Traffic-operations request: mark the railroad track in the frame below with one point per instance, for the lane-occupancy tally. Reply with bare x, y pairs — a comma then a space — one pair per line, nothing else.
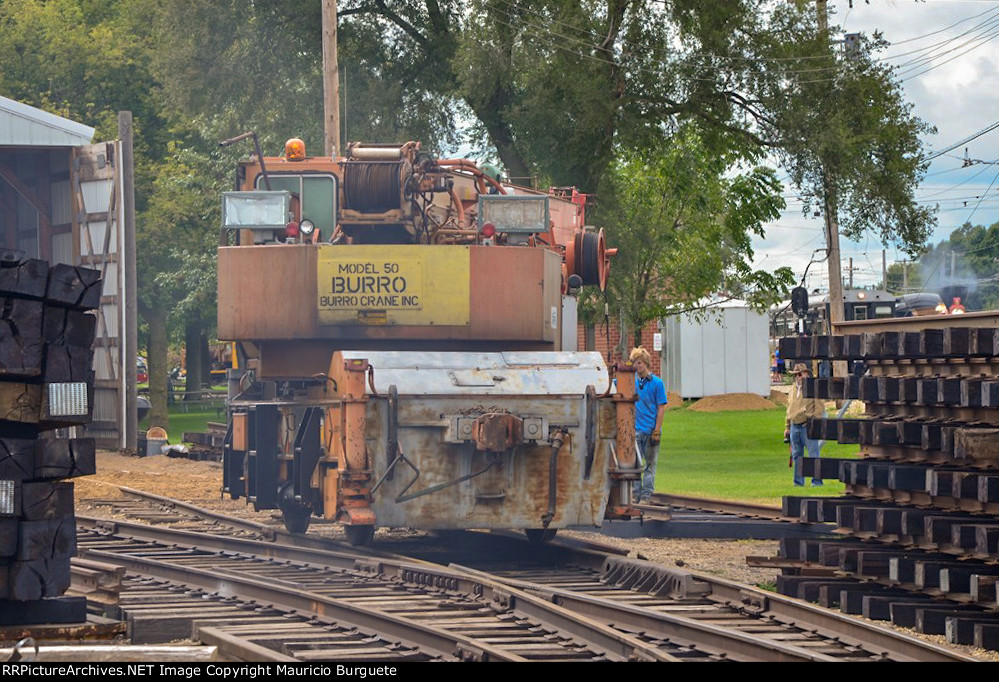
506, 601
737, 509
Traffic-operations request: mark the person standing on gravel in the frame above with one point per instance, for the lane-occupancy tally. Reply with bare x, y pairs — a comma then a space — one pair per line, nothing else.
649, 410
799, 409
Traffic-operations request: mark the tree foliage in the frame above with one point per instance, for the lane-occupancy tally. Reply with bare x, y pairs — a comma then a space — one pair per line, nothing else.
968, 258
847, 137
684, 227
668, 109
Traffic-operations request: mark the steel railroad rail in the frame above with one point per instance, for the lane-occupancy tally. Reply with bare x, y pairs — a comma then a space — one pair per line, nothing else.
675, 613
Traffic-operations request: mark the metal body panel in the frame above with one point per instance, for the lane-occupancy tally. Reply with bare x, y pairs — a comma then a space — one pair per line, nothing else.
486, 374
269, 292
435, 388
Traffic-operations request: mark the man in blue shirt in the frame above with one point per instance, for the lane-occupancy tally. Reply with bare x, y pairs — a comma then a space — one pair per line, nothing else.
649, 412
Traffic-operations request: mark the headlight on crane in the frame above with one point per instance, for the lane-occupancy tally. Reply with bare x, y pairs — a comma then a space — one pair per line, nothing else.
307, 227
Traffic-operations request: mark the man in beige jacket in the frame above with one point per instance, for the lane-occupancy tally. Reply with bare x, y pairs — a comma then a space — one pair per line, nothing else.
799, 409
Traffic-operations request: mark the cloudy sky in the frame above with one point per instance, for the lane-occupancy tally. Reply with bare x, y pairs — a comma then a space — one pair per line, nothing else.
946, 54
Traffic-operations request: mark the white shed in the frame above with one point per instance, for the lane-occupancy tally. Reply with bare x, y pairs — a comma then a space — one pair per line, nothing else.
728, 352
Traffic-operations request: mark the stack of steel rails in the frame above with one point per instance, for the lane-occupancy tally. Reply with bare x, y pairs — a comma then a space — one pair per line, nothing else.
919, 525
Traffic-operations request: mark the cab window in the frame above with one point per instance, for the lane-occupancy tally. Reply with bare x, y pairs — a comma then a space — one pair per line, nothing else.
317, 193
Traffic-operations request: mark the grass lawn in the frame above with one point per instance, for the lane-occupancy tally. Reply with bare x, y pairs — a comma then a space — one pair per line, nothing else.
182, 422
733, 456
722, 455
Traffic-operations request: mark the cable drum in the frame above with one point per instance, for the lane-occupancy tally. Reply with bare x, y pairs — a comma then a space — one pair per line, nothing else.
371, 187
592, 270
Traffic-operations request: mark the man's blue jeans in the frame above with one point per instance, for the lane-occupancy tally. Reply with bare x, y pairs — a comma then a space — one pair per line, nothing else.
799, 443
649, 451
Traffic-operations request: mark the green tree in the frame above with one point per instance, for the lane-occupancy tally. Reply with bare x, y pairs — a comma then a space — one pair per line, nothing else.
846, 135
684, 223
968, 258
176, 241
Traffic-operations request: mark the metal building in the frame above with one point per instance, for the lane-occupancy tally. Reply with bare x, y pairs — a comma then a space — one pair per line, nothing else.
728, 352
60, 201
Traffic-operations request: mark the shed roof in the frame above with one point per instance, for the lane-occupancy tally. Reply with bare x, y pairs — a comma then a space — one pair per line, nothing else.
25, 126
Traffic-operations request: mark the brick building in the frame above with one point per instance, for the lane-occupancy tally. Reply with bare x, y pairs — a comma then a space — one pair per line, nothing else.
596, 338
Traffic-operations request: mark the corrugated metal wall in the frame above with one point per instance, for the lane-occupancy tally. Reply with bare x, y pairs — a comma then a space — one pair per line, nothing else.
724, 354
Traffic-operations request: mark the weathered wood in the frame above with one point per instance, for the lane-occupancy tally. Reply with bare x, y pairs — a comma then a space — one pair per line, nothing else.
907, 389
74, 287
20, 317
42, 500
17, 459
911, 344
67, 364
892, 344
907, 477
788, 348
978, 444
46, 539
926, 391
58, 610
69, 327
971, 392
848, 430
20, 357
29, 279
931, 343
987, 540
20, 402
873, 345
32, 580
820, 346
957, 341
869, 389
8, 536
65, 458
949, 390
888, 389
122, 653
983, 342
853, 346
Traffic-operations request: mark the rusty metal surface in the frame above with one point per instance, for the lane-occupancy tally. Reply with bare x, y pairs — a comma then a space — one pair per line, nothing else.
443, 479
988, 318
689, 610
269, 292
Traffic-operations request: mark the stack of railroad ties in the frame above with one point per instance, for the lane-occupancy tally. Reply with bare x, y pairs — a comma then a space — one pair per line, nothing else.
920, 522
46, 387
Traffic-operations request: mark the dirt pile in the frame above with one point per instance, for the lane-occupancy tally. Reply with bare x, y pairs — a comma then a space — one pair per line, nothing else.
732, 402
673, 400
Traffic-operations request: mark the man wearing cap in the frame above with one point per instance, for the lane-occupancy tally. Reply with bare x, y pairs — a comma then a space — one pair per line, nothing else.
799, 409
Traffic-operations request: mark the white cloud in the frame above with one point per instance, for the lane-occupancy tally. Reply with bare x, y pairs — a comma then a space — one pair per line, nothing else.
958, 94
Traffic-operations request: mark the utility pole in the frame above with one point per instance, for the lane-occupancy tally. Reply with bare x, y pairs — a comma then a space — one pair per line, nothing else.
884, 269
831, 205
130, 423
331, 80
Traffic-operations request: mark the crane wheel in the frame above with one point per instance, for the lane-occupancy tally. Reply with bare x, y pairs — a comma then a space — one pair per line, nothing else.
296, 516
361, 535
540, 536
